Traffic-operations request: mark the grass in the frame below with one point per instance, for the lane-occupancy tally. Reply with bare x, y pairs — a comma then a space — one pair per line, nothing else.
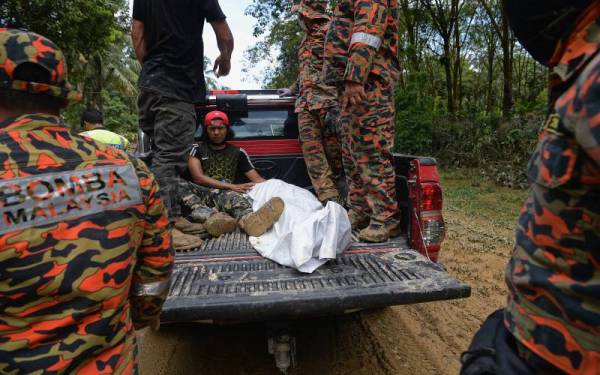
467, 193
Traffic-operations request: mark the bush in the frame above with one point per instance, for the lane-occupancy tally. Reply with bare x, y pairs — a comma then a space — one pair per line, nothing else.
498, 148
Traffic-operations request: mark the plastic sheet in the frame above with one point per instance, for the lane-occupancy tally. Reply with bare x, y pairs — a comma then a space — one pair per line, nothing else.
307, 234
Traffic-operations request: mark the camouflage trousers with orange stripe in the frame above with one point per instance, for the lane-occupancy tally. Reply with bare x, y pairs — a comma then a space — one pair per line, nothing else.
321, 149
367, 134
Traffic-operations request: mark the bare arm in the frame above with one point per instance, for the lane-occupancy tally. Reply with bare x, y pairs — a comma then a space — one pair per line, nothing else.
225, 43
254, 176
198, 176
137, 37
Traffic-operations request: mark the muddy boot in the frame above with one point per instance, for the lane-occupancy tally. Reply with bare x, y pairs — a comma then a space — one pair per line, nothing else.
186, 226
219, 223
257, 223
197, 230
377, 232
357, 221
184, 242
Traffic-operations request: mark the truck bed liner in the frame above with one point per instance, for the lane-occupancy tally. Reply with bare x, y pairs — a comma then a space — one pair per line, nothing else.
226, 280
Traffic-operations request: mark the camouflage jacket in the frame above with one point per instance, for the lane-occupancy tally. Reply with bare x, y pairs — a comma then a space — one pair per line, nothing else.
314, 93
554, 273
363, 40
85, 251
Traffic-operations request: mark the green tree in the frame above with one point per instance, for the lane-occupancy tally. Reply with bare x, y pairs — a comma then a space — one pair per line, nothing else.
78, 27
93, 35
282, 34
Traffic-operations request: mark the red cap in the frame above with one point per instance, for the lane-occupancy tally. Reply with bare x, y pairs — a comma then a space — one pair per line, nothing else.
214, 115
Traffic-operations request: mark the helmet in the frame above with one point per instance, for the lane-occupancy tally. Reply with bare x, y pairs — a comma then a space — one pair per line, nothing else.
214, 115
541, 25
19, 47
311, 8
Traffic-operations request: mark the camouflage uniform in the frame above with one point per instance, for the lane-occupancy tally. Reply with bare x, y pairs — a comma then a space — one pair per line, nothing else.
79, 273
362, 46
195, 196
85, 253
223, 166
554, 273
317, 105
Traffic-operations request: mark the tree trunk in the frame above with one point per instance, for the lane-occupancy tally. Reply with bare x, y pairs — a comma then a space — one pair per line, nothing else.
507, 68
446, 61
410, 20
96, 94
490, 76
457, 61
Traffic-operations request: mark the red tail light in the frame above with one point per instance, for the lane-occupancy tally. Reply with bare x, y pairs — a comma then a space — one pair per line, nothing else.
432, 197
433, 228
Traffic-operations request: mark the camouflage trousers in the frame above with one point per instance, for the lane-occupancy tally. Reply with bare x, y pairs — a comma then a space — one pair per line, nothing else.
321, 149
197, 197
367, 134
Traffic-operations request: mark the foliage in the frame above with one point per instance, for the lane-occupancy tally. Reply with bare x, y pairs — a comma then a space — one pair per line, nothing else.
120, 113
79, 27
499, 149
468, 94
100, 59
280, 46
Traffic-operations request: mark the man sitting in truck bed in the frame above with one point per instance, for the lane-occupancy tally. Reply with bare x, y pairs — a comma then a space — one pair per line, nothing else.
212, 197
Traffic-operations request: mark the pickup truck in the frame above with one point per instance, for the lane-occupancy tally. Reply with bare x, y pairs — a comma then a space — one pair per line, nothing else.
227, 281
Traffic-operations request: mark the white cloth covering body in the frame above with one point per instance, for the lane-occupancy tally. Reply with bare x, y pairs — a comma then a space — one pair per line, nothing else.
307, 234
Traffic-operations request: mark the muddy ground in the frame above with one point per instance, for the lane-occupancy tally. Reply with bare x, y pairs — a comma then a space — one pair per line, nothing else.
416, 339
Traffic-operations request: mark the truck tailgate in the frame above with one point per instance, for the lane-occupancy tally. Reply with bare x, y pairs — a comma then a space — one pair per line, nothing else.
226, 280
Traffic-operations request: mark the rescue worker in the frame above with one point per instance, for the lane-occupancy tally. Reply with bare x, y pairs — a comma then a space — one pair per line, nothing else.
167, 38
361, 58
213, 198
552, 320
85, 251
92, 122
317, 105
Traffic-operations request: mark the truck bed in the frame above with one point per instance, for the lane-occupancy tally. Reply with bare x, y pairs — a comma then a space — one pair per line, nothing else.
226, 280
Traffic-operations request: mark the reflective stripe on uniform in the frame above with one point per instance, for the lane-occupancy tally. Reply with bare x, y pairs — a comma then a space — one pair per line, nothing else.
368, 39
155, 288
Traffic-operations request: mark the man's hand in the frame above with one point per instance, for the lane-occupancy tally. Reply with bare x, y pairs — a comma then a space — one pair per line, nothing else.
225, 44
354, 95
284, 92
222, 66
242, 188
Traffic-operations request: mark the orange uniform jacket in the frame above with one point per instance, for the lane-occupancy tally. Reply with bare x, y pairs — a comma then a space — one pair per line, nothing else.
85, 252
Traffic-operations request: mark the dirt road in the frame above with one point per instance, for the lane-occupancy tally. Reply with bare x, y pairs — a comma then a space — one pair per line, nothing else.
416, 339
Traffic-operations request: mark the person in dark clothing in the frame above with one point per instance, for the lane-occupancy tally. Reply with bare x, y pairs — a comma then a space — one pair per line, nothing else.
213, 197
167, 38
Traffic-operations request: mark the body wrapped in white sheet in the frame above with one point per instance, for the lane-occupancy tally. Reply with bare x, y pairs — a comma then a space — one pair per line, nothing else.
307, 234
